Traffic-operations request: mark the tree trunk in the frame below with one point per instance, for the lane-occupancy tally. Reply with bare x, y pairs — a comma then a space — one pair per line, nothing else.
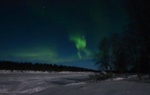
139, 72
140, 77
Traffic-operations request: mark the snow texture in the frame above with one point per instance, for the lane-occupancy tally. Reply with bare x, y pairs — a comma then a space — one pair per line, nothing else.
29, 82
67, 83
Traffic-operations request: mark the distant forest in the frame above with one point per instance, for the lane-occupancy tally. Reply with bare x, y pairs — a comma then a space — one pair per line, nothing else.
24, 66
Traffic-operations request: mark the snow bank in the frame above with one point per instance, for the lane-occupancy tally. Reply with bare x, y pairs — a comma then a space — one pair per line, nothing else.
18, 71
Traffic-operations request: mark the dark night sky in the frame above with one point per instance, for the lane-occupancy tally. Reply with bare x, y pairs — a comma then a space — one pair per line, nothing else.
63, 32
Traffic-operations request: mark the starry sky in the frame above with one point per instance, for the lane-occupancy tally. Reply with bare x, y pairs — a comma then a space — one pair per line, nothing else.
63, 32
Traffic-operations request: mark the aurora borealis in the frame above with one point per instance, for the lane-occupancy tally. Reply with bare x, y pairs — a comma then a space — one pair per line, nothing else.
63, 32
80, 43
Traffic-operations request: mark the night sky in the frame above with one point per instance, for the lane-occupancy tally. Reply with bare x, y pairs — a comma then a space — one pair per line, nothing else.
65, 32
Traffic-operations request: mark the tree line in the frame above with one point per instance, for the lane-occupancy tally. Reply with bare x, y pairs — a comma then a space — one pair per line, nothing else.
128, 51
25, 66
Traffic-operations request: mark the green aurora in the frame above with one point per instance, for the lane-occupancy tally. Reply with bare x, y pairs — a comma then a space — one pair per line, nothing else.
61, 32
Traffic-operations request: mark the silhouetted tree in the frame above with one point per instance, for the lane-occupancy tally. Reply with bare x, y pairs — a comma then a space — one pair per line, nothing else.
140, 27
118, 53
102, 57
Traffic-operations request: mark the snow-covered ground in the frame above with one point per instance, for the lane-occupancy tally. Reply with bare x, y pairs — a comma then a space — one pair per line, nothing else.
67, 83
29, 82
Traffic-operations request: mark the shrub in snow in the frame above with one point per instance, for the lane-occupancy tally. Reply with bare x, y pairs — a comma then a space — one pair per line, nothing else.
100, 76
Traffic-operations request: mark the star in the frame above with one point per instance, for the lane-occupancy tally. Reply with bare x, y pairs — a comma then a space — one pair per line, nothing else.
44, 6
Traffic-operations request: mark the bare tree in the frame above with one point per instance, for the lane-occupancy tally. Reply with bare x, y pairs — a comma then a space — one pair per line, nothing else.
139, 26
102, 57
